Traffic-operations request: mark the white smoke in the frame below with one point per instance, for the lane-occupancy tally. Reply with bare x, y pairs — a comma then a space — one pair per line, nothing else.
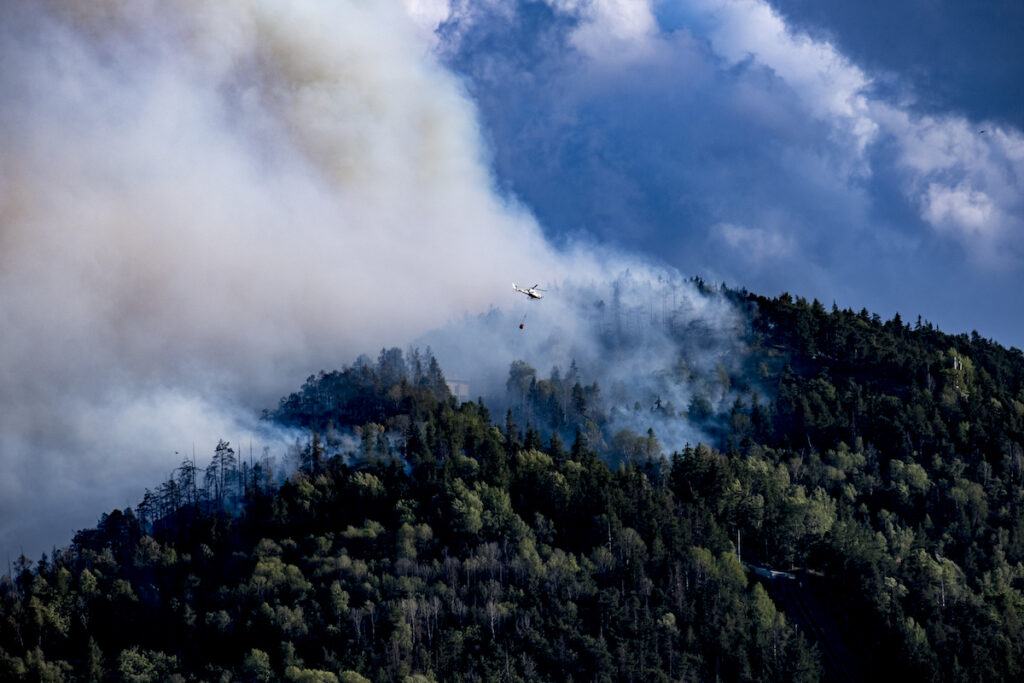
651, 340
202, 203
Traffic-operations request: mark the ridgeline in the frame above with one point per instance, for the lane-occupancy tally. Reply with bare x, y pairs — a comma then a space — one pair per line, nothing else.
881, 464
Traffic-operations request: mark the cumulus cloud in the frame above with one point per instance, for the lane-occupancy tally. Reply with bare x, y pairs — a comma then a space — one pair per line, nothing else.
960, 208
610, 29
828, 84
965, 181
200, 204
753, 242
948, 159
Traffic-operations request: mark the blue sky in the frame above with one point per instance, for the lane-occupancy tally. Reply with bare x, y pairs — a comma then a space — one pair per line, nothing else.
955, 56
831, 150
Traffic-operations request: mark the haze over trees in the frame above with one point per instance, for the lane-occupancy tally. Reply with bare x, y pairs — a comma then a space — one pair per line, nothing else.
419, 538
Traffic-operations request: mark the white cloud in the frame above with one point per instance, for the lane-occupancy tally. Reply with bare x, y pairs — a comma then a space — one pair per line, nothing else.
830, 86
754, 243
960, 209
967, 183
611, 30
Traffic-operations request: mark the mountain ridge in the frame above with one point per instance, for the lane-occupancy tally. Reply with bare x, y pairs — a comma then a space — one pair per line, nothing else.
419, 537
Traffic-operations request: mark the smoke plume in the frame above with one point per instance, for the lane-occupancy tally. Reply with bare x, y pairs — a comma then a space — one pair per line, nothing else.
202, 203
651, 340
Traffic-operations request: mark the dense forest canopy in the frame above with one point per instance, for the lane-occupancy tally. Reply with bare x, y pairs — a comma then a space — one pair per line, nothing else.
877, 466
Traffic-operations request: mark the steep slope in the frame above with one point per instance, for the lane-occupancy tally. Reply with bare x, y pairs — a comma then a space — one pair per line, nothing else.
880, 462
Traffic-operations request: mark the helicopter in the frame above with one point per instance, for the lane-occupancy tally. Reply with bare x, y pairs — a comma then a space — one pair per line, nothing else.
532, 292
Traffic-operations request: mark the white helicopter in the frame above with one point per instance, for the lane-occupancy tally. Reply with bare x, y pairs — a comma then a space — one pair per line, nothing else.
532, 292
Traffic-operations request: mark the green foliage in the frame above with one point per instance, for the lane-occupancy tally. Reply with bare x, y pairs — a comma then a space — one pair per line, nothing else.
882, 464
366, 392
556, 568
911, 523
141, 666
352, 677
256, 667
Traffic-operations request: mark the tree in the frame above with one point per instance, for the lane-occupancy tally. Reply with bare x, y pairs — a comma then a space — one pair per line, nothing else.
221, 472
521, 378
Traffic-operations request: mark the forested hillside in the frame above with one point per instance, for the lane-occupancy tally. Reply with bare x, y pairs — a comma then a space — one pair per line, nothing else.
419, 538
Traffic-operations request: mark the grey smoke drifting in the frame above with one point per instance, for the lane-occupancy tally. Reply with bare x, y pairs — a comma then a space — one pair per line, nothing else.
200, 204
650, 339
